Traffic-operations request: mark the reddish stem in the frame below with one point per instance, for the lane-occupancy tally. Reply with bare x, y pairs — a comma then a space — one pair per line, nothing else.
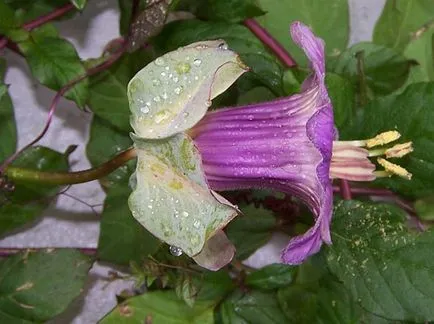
5, 252
3, 42
269, 40
59, 12
345, 189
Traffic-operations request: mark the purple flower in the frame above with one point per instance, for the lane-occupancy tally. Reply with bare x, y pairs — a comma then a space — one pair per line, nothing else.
287, 145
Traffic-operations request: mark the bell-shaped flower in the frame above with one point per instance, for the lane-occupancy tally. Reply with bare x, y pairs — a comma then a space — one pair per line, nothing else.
290, 145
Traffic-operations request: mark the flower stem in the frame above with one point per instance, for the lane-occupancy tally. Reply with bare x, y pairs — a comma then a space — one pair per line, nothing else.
270, 41
67, 178
345, 189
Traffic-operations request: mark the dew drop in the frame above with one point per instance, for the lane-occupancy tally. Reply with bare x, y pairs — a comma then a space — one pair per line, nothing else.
164, 95
183, 67
156, 82
250, 117
167, 68
175, 79
144, 109
185, 214
197, 223
223, 46
175, 251
185, 114
159, 61
177, 90
208, 103
161, 116
157, 99
150, 206
197, 62
163, 74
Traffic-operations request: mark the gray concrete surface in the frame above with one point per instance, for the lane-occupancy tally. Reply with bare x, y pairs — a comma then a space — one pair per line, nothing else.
68, 222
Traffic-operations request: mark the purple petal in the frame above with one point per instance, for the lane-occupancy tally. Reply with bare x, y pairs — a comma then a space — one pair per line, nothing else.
284, 144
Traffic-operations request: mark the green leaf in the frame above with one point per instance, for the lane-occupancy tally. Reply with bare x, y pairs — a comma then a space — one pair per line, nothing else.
122, 239
55, 62
29, 10
258, 307
400, 20
385, 69
425, 208
342, 95
388, 270
105, 142
231, 10
28, 201
326, 301
420, 49
265, 69
36, 286
108, 90
251, 230
332, 27
160, 307
79, 4
8, 129
257, 94
226, 313
8, 20
271, 277
410, 113
186, 289
214, 285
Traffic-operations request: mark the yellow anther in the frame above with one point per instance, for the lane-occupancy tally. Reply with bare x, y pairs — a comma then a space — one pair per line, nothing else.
394, 169
399, 150
383, 138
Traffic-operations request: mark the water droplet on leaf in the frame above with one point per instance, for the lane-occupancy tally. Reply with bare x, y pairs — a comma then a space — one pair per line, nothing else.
197, 62
175, 251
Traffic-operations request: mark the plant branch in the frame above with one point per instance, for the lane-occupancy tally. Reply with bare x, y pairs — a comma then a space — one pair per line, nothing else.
271, 42
58, 12
68, 178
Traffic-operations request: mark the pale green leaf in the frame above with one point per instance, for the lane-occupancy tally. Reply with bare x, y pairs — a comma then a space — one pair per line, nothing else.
170, 183
171, 94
